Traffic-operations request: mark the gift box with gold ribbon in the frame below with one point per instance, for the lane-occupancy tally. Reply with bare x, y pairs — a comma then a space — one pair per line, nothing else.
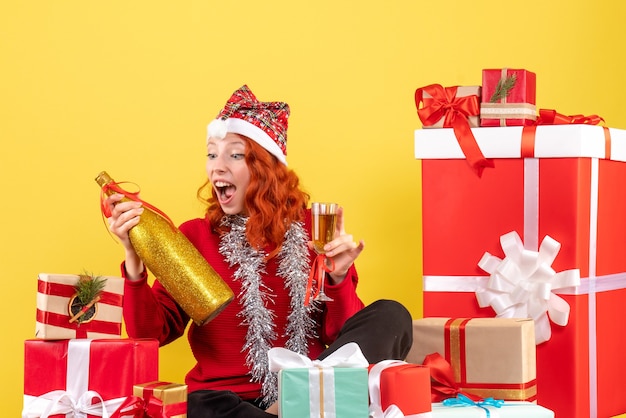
163, 399
62, 315
489, 357
508, 97
540, 232
334, 387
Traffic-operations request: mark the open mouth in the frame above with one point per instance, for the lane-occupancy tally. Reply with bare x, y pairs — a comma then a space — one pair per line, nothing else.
224, 190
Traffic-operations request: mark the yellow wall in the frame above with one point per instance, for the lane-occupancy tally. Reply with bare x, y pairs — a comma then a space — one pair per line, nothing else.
129, 86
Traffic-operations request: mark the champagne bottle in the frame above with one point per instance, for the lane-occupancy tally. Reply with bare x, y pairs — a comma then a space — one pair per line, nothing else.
178, 265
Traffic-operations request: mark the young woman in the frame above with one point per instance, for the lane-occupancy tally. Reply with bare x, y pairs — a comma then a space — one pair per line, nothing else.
256, 235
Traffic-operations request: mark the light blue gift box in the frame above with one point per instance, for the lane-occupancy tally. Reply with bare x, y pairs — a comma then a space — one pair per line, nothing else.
323, 392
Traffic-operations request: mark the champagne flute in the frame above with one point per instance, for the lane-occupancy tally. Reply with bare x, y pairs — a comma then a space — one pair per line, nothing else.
323, 224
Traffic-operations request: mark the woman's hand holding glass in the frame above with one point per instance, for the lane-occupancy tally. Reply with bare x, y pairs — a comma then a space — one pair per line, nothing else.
341, 251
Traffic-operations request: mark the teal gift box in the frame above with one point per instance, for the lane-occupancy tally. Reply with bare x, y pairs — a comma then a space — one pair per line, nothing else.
323, 391
335, 387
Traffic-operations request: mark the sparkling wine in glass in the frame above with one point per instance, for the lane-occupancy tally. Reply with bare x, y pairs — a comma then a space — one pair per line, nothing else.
323, 224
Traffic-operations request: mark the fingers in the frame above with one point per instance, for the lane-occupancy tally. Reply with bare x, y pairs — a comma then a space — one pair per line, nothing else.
342, 244
124, 215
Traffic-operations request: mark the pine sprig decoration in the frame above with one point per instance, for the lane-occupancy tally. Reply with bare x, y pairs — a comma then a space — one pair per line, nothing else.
503, 88
89, 287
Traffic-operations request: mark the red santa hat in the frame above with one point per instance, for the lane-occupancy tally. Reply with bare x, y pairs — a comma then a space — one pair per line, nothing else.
263, 122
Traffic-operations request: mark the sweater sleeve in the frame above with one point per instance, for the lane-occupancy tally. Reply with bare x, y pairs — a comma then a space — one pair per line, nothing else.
345, 303
150, 312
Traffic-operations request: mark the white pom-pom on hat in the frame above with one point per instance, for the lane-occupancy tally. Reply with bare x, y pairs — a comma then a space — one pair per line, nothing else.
218, 128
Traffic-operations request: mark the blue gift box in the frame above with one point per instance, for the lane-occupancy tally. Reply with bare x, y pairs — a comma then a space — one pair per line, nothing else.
323, 392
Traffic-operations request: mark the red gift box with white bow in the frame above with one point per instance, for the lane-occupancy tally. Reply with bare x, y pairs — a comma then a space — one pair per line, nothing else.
74, 376
552, 207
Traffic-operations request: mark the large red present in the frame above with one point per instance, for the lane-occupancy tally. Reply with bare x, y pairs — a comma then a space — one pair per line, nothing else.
59, 313
69, 376
397, 386
564, 183
487, 357
508, 97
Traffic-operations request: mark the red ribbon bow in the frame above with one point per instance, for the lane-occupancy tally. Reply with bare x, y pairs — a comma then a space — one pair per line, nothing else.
443, 385
443, 103
552, 117
317, 273
130, 195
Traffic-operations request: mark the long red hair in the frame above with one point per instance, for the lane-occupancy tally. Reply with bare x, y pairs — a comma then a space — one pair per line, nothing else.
273, 199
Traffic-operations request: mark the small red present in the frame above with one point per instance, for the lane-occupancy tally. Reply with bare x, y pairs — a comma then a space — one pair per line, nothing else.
60, 315
508, 98
395, 384
163, 399
67, 376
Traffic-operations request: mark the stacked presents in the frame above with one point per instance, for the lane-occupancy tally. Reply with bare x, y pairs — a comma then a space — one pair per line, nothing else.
79, 365
523, 222
523, 217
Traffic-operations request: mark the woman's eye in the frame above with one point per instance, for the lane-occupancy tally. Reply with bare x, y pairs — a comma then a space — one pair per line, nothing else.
238, 156
211, 156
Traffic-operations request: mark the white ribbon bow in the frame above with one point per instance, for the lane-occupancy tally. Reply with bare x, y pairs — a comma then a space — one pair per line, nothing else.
349, 355
61, 402
520, 285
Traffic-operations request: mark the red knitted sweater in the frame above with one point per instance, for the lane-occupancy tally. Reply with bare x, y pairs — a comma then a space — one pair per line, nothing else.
217, 346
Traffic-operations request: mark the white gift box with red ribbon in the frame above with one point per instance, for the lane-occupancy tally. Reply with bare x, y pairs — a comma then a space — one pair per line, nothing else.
560, 183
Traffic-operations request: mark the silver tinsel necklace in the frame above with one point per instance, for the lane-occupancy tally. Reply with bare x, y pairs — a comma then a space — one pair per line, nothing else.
255, 297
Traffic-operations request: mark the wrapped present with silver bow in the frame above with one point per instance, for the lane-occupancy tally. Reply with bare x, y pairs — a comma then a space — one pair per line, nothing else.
333, 387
